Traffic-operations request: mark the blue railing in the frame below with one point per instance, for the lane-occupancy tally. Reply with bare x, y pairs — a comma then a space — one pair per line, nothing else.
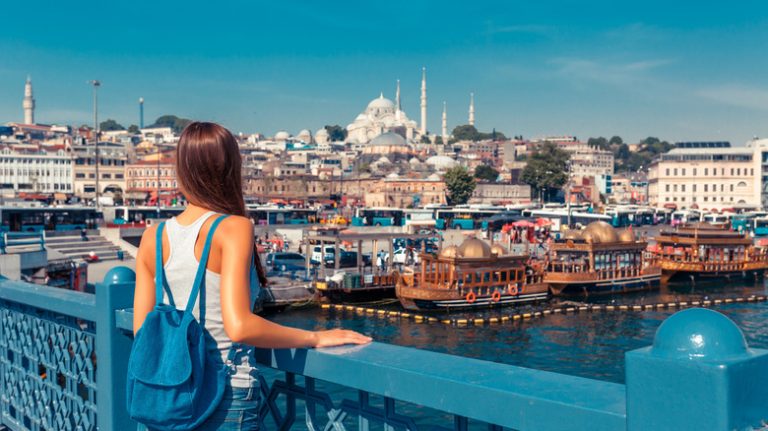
11, 240
63, 358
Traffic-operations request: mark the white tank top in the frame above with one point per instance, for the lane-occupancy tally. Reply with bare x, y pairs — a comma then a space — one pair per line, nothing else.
180, 271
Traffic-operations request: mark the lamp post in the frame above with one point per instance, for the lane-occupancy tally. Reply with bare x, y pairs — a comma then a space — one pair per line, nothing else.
96, 84
157, 201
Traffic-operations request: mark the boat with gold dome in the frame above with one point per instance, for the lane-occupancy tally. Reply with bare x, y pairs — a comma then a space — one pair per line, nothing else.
703, 251
472, 275
599, 260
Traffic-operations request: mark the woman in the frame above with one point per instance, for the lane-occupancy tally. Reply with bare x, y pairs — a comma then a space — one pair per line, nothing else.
208, 171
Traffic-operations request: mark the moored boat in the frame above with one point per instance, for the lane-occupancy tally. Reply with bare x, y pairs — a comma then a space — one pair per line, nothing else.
599, 260
702, 251
472, 275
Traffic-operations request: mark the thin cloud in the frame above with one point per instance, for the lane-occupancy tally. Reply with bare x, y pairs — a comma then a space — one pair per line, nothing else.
607, 71
542, 30
737, 95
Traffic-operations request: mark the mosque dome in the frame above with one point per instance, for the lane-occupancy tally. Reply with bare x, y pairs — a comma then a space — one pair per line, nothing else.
441, 162
381, 102
600, 231
573, 234
321, 133
282, 136
498, 250
393, 175
474, 248
389, 139
304, 135
434, 177
450, 251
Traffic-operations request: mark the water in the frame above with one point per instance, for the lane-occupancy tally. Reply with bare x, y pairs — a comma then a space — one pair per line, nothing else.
584, 344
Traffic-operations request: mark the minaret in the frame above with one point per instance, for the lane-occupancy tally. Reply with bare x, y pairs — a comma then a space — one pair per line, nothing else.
29, 103
423, 101
141, 112
471, 109
397, 102
445, 125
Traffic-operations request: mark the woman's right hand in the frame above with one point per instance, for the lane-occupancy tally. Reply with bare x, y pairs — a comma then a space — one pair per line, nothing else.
338, 337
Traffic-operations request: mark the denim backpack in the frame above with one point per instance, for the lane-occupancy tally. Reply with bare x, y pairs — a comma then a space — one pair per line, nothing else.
172, 383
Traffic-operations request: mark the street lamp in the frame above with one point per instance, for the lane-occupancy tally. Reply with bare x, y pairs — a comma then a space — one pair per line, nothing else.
157, 201
96, 84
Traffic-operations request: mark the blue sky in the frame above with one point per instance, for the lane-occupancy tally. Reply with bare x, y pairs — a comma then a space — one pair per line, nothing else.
676, 70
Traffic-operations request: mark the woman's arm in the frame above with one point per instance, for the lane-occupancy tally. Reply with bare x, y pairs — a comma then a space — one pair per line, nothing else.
235, 235
144, 295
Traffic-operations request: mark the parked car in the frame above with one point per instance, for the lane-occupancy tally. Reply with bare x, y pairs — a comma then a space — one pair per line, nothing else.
319, 255
286, 261
347, 259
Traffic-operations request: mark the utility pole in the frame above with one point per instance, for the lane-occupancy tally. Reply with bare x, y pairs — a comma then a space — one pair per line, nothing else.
157, 201
96, 84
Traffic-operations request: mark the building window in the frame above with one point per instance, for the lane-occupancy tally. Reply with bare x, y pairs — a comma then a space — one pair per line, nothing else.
667, 188
683, 171
667, 171
675, 171
694, 188
682, 188
706, 171
706, 188
731, 187
674, 188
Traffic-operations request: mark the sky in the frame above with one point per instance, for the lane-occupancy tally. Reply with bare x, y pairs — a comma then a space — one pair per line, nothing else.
676, 70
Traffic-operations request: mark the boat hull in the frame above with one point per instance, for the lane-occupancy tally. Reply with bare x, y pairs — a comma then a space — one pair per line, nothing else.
607, 287
670, 276
420, 299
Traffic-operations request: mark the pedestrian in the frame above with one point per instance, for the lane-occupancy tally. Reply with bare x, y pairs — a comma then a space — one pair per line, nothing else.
209, 246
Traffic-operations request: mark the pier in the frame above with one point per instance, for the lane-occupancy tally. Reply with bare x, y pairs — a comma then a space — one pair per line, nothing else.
63, 358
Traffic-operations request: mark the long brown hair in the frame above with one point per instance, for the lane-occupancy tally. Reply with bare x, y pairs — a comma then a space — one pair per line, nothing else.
209, 171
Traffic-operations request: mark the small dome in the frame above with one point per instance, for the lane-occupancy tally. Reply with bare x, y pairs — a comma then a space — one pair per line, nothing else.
450, 251
441, 162
499, 250
474, 248
381, 102
601, 231
393, 175
434, 177
321, 132
383, 159
304, 134
282, 135
389, 139
627, 236
590, 237
414, 161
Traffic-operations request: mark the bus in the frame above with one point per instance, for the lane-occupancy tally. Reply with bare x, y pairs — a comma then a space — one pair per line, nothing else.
744, 222
681, 217
464, 218
714, 219
39, 219
273, 215
138, 215
421, 217
559, 218
645, 216
621, 216
662, 215
760, 227
378, 217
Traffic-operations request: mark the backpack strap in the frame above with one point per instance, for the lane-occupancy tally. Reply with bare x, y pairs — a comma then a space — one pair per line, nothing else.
160, 282
200, 275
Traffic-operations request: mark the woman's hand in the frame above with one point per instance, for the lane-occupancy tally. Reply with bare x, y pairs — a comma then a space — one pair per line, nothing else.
338, 337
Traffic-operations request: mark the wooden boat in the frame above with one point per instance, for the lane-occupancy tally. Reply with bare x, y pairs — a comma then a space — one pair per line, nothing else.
473, 275
355, 287
702, 251
598, 260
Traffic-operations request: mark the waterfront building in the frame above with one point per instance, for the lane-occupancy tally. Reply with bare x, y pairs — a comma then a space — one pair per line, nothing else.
112, 161
142, 180
306, 188
711, 178
500, 194
403, 192
32, 168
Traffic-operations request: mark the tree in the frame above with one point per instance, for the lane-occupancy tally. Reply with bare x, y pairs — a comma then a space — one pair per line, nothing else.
425, 139
598, 143
133, 129
470, 133
486, 173
459, 184
110, 125
336, 133
546, 169
438, 140
615, 141
172, 121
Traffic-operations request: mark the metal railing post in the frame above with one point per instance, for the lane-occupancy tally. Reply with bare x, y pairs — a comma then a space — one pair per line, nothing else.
113, 346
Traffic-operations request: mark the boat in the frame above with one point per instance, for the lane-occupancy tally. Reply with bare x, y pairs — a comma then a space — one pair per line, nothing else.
470, 276
599, 260
352, 287
700, 251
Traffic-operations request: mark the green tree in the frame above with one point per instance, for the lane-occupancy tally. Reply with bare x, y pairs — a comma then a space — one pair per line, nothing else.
470, 133
615, 141
172, 121
599, 143
110, 125
546, 170
425, 139
486, 173
438, 140
336, 133
133, 129
459, 184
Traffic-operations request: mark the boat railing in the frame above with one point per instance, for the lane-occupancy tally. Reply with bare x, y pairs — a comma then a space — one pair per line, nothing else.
63, 365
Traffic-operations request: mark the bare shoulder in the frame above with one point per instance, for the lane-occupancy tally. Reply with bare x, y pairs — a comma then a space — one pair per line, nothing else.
148, 237
237, 227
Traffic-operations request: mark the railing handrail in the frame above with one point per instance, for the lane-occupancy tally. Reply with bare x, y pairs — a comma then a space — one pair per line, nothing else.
72, 303
472, 388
